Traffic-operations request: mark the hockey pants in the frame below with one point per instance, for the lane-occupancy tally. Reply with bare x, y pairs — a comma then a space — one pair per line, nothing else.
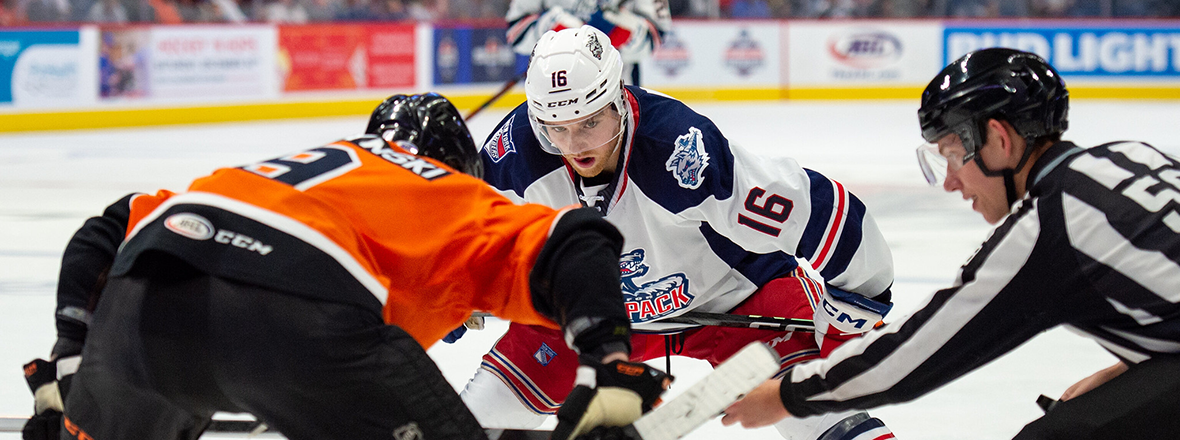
167, 351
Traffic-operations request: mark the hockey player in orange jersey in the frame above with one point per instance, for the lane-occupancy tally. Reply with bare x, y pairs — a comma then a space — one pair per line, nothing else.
304, 289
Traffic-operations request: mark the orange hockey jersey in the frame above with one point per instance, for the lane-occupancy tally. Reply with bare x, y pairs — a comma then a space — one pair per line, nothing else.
358, 221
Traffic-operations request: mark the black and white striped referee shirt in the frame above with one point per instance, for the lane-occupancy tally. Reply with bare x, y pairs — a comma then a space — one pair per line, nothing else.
1094, 246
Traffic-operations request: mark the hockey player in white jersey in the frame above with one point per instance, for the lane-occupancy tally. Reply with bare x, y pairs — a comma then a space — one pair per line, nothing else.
708, 226
635, 27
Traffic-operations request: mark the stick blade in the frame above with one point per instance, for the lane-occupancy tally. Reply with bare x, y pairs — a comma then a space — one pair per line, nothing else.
705, 399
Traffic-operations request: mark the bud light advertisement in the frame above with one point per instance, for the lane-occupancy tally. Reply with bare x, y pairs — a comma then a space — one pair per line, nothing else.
1084, 51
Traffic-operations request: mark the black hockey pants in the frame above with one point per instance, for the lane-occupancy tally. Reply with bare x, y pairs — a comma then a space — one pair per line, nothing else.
168, 347
1143, 403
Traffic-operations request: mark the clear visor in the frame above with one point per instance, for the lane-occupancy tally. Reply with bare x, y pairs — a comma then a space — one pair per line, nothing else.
936, 160
933, 165
570, 138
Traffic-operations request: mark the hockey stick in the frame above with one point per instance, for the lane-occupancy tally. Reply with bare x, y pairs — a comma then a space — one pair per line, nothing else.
728, 320
698, 404
503, 90
16, 423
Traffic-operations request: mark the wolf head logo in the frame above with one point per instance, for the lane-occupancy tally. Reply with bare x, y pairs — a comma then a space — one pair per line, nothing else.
689, 160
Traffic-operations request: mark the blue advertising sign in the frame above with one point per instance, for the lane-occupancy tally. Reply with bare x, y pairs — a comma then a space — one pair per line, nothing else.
450, 64
1093, 51
464, 55
492, 59
14, 44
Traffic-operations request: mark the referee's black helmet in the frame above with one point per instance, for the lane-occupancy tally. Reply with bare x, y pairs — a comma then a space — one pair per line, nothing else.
997, 83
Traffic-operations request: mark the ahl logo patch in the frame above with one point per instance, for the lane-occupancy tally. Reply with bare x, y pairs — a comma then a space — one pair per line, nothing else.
190, 225
500, 144
689, 159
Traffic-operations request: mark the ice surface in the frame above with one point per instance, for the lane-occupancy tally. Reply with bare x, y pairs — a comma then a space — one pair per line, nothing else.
51, 182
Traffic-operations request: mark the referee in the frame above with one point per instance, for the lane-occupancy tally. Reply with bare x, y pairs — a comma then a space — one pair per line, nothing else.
1088, 238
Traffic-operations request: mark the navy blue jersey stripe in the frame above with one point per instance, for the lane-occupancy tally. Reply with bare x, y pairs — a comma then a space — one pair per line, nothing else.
841, 256
758, 268
822, 202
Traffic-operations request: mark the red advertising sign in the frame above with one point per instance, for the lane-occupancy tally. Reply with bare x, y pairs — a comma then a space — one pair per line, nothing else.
316, 57
391, 55
346, 56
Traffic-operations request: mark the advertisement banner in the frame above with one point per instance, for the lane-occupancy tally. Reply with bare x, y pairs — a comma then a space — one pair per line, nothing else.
862, 53
709, 54
47, 68
321, 57
123, 63
209, 62
1138, 52
464, 55
390, 55
346, 56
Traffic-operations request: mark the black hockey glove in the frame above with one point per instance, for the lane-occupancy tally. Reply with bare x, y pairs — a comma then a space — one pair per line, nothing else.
45, 424
609, 395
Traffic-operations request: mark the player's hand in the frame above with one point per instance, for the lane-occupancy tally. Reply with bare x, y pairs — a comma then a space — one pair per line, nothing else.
762, 407
45, 424
1093, 381
609, 395
845, 316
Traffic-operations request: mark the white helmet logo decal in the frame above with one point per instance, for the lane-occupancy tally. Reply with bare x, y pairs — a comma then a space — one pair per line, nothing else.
594, 46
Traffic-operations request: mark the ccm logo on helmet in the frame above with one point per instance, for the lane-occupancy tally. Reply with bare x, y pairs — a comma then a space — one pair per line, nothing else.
563, 103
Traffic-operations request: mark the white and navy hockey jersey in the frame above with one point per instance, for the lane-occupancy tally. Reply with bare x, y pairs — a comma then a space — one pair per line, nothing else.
1094, 246
705, 222
635, 27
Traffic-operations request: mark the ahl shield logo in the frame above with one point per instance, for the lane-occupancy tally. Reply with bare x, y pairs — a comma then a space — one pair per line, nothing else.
500, 144
672, 55
744, 54
652, 300
689, 159
190, 225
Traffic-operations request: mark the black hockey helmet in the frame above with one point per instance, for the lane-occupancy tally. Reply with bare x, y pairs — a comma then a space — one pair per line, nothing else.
433, 128
1012, 85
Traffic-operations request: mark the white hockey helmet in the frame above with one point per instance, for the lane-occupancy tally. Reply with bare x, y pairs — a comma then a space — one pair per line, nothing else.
573, 74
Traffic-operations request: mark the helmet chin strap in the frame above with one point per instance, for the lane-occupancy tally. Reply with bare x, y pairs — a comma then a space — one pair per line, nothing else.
1010, 185
1009, 174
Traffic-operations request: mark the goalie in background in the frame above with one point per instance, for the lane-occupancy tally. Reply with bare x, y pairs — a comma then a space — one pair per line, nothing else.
634, 27
1087, 238
304, 290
